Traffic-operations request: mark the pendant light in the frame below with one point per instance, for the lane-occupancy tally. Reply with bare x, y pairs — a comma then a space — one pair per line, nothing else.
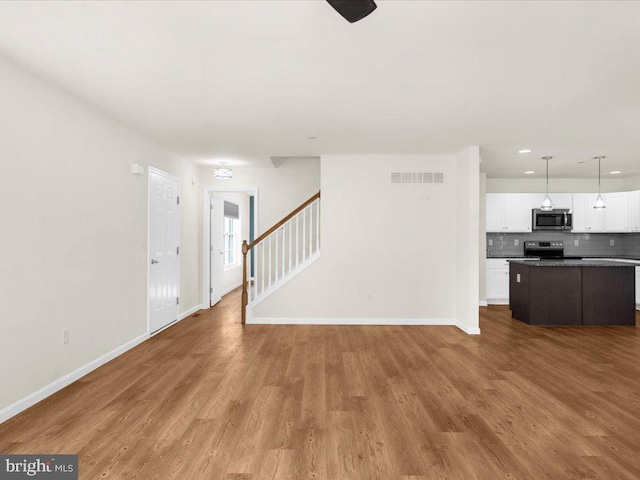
547, 204
599, 205
223, 172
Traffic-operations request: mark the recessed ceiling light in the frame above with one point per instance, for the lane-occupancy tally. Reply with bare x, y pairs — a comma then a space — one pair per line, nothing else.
525, 150
312, 138
615, 172
529, 172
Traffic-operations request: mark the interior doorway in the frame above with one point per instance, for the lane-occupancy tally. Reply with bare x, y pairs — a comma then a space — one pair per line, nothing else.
230, 216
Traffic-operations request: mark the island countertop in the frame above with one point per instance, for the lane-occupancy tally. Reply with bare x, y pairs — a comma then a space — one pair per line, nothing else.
571, 263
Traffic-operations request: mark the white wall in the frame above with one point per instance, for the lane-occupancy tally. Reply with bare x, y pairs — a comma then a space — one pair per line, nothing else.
482, 229
388, 250
558, 185
232, 277
467, 257
71, 227
280, 190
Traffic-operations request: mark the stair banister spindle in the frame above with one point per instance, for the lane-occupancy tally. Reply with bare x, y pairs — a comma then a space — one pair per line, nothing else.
290, 251
297, 240
317, 225
277, 250
270, 262
262, 255
284, 238
304, 234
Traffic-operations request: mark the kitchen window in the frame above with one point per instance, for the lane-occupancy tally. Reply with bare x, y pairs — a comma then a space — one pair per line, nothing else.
231, 235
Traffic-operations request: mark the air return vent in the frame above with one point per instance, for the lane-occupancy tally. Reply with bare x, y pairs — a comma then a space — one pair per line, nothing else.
417, 177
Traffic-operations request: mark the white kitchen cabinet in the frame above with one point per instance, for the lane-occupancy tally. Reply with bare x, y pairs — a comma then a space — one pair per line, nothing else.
586, 219
634, 211
637, 286
560, 200
497, 281
617, 212
508, 212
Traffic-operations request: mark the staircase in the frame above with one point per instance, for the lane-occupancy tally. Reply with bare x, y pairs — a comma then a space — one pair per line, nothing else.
280, 253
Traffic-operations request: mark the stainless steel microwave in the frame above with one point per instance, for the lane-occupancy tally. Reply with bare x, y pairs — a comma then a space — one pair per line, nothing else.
557, 219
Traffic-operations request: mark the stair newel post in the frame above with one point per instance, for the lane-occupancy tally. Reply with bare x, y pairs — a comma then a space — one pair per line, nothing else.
245, 295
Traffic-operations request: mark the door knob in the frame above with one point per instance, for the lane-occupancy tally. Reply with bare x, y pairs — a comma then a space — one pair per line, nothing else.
154, 261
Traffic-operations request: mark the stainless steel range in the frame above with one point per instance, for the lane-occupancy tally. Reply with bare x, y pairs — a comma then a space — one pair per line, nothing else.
553, 249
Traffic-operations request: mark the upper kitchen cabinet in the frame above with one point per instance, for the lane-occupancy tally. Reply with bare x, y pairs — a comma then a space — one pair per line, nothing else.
586, 219
509, 212
634, 211
617, 212
560, 200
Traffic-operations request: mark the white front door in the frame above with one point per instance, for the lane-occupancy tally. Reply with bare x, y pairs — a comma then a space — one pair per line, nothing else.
217, 251
163, 250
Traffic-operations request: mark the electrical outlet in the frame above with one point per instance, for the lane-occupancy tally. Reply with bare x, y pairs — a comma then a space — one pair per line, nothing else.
65, 337
516, 242
369, 298
612, 242
491, 242
576, 243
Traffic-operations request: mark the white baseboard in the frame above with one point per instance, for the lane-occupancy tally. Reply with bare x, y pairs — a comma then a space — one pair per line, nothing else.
35, 397
191, 311
483, 303
468, 330
497, 301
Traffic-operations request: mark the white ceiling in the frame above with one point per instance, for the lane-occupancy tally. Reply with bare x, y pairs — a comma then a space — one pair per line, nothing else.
247, 80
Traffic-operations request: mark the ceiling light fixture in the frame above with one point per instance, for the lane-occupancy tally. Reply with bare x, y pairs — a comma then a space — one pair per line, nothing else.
599, 205
222, 172
526, 150
529, 172
615, 172
547, 204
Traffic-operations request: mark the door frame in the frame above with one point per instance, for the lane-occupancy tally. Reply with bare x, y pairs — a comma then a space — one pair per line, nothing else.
157, 171
206, 233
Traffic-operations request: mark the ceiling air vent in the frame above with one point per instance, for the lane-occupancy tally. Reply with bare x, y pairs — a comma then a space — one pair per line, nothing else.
438, 177
396, 177
427, 177
406, 177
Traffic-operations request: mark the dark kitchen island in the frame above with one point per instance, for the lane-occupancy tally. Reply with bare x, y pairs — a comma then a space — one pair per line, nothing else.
572, 292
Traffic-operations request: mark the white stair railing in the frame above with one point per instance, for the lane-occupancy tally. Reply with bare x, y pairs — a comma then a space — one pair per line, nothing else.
282, 251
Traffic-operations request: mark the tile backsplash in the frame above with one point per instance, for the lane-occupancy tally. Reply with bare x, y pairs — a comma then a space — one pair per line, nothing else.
589, 244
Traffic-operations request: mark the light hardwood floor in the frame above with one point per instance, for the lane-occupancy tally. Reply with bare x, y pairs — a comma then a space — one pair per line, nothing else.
209, 399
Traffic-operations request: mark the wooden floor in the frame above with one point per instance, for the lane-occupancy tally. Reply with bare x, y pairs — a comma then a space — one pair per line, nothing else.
209, 399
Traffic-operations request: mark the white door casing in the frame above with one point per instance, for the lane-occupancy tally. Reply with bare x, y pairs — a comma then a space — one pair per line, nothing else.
163, 250
216, 248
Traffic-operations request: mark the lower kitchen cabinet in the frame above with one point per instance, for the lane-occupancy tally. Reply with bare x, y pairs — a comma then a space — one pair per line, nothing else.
497, 281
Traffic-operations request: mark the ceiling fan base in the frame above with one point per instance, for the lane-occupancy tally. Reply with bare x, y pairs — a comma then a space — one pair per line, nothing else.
353, 10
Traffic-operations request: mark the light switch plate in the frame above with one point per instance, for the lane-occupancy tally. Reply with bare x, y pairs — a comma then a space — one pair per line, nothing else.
612, 242
518, 277
576, 242
491, 242
516, 242
65, 337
